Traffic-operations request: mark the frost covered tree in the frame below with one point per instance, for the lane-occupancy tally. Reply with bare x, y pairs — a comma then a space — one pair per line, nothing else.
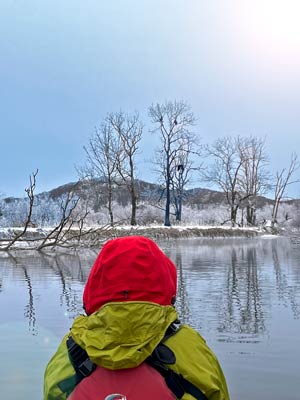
238, 169
181, 176
102, 155
225, 171
110, 157
173, 121
254, 179
129, 130
282, 180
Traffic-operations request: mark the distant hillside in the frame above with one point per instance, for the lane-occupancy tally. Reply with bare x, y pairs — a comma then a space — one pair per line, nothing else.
202, 197
95, 191
198, 197
147, 191
201, 206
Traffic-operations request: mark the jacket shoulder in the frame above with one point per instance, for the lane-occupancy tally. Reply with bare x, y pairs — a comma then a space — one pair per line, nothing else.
196, 362
60, 376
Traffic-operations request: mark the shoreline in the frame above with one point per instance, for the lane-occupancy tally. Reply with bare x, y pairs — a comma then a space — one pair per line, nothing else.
177, 232
94, 237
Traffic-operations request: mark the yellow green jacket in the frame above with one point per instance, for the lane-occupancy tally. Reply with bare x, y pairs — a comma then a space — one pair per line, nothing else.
122, 335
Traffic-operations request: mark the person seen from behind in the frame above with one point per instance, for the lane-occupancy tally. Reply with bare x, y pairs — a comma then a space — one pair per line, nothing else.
130, 344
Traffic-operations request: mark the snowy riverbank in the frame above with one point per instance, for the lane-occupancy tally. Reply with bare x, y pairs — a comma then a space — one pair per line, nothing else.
93, 236
159, 231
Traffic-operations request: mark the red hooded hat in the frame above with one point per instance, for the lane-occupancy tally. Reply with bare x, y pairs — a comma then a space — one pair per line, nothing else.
131, 268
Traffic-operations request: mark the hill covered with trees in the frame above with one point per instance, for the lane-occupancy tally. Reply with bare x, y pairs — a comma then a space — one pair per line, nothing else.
89, 198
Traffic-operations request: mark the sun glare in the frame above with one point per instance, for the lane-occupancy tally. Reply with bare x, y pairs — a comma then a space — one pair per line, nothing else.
268, 32
274, 22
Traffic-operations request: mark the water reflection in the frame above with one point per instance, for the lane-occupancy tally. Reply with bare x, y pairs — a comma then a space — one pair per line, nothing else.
243, 295
242, 306
287, 294
61, 266
232, 287
27, 278
225, 286
182, 302
29, 309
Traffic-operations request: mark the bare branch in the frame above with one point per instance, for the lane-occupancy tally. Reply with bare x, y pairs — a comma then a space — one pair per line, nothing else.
129, 130
173, 121
30, 194
282, 181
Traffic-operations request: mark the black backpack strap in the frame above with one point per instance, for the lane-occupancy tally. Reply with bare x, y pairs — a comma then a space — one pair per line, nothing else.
81, 363
175, 382
192, 389
79, 359
163, 356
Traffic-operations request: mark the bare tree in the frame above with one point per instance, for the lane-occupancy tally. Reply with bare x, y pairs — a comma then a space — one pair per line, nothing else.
282, 181
129, 130
69, 227
225, 172
181, 176
30, 194
1, 211
102, 155
68, 232
239, 170
254, 179
173, 121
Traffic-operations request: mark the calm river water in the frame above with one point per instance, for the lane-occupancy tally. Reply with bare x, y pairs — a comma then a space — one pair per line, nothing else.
243, 295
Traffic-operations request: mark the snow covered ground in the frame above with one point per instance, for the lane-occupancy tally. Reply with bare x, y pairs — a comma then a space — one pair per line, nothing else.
93, 236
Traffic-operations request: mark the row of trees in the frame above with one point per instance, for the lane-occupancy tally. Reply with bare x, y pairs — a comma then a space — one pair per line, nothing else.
112, 149
110, 156
239, 169
236, 165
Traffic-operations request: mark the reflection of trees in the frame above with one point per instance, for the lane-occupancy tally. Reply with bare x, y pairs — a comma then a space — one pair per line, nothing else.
236, 286
69, 296
254, 294
242, 306
181, 299
29, 310
31, 270
286, 293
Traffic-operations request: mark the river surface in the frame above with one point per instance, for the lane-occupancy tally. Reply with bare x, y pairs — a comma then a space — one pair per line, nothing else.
242, 295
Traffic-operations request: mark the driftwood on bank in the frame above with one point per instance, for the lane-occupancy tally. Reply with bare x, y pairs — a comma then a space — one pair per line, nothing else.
68, 232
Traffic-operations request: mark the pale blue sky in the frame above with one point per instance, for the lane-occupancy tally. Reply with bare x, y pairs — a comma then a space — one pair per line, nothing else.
65, 63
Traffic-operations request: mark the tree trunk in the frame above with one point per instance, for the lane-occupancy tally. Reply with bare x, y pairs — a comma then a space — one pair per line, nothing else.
275, 212
133, 207
168, 201
251, 215
133, 193
233, 214
178, 207
109, 204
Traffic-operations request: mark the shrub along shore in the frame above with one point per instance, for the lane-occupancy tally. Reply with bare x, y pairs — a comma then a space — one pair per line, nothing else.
39, 238
173, 232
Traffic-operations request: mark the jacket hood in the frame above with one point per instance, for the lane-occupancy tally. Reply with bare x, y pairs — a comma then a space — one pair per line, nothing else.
130, 268
122, 335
